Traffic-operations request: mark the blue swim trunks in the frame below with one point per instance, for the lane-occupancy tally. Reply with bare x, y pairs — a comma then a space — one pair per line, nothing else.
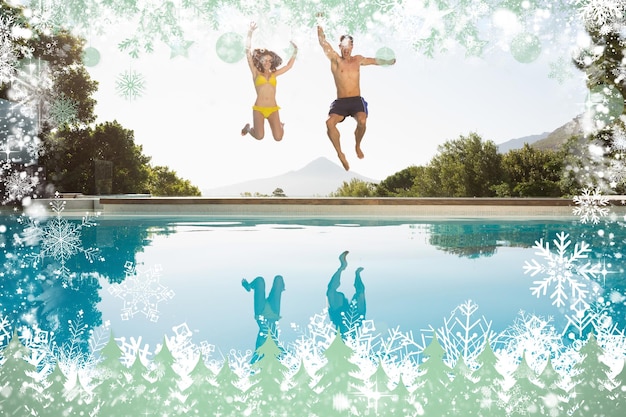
348, 106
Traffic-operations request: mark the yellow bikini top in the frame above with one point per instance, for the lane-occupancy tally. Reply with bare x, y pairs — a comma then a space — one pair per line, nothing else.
260, 80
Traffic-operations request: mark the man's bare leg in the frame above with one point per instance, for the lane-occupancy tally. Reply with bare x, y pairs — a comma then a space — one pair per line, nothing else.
334, 136
361, 118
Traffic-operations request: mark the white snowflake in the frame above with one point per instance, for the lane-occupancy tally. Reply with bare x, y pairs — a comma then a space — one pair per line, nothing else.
32, 86
5, 334
616, 172
6, 27
532, 336
590, 206
59, 239
463, 333
561, 270
184, 350
62, 110
133, 348
8, 60
130, 85
141, 292
619, 138
560, 70
594, 317
19, 185
602, 14
42, 18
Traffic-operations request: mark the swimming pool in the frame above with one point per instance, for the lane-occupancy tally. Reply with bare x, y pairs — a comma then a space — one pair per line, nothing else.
145, 280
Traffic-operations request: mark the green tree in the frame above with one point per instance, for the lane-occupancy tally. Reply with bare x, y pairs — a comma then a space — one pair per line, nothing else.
602, 61
81, 400
378, 386
301, 396
355, 188
136, 400
463, 167
278, 192
524, 395
435, 380
269, 375
199, 393
592, 382
402, 401
70, 80
229, 402
164, 182
464, 400
530, 172
52, 77
553, 396
164, 393
111, 383
338, 383
73, 155
619, 392
18, 385
54, 65
489, 384
399, 184
56, 394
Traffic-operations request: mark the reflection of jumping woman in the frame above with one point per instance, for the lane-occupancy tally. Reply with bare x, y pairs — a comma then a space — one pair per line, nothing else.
266, 311
264, 67
338, 305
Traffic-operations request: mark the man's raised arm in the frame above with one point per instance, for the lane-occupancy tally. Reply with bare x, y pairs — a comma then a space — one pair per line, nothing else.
377, 61
328, 50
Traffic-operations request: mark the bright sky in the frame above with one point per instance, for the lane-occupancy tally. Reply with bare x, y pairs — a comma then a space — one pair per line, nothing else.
193, 107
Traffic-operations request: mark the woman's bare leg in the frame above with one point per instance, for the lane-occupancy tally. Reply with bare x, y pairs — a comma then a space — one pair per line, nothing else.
258, 129
276, 126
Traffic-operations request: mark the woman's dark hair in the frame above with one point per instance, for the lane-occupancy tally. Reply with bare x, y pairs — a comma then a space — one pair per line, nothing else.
257, 54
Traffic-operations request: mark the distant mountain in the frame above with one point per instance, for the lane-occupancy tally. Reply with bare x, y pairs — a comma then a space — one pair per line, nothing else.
561, 135
519, 142
318, 178
547, 140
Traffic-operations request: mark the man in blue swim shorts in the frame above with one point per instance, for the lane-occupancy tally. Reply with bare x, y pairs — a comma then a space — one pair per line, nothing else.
346, 72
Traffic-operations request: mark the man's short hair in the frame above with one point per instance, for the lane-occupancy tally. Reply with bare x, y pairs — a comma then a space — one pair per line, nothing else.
343, 37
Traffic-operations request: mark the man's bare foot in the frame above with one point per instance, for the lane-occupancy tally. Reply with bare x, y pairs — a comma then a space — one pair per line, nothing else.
342, 259
358, 282
359, 153
344, 161
245, 130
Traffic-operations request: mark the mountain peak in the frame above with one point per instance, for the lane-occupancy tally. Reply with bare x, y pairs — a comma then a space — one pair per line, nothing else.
320, 164
320, 177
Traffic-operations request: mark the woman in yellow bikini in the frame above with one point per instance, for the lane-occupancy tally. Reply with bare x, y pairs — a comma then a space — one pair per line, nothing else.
263, 65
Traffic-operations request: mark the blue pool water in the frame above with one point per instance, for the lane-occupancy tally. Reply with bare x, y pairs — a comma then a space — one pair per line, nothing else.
144, 279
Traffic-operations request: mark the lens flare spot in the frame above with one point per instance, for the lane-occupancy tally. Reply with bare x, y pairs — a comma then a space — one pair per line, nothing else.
229, 47
525, 47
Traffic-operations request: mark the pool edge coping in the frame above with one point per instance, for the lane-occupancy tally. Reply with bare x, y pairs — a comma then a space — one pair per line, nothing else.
410, 207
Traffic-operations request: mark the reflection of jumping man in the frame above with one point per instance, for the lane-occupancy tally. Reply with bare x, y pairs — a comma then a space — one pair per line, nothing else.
338, 306
266, 311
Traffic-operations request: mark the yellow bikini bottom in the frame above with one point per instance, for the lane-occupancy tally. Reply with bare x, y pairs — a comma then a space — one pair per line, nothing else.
266, 111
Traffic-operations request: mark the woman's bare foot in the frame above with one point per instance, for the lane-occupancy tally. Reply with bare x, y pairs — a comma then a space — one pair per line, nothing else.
359, 152
245, 130
344, 161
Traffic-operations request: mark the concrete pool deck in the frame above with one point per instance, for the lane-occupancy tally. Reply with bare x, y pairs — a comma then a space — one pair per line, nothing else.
148, 206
